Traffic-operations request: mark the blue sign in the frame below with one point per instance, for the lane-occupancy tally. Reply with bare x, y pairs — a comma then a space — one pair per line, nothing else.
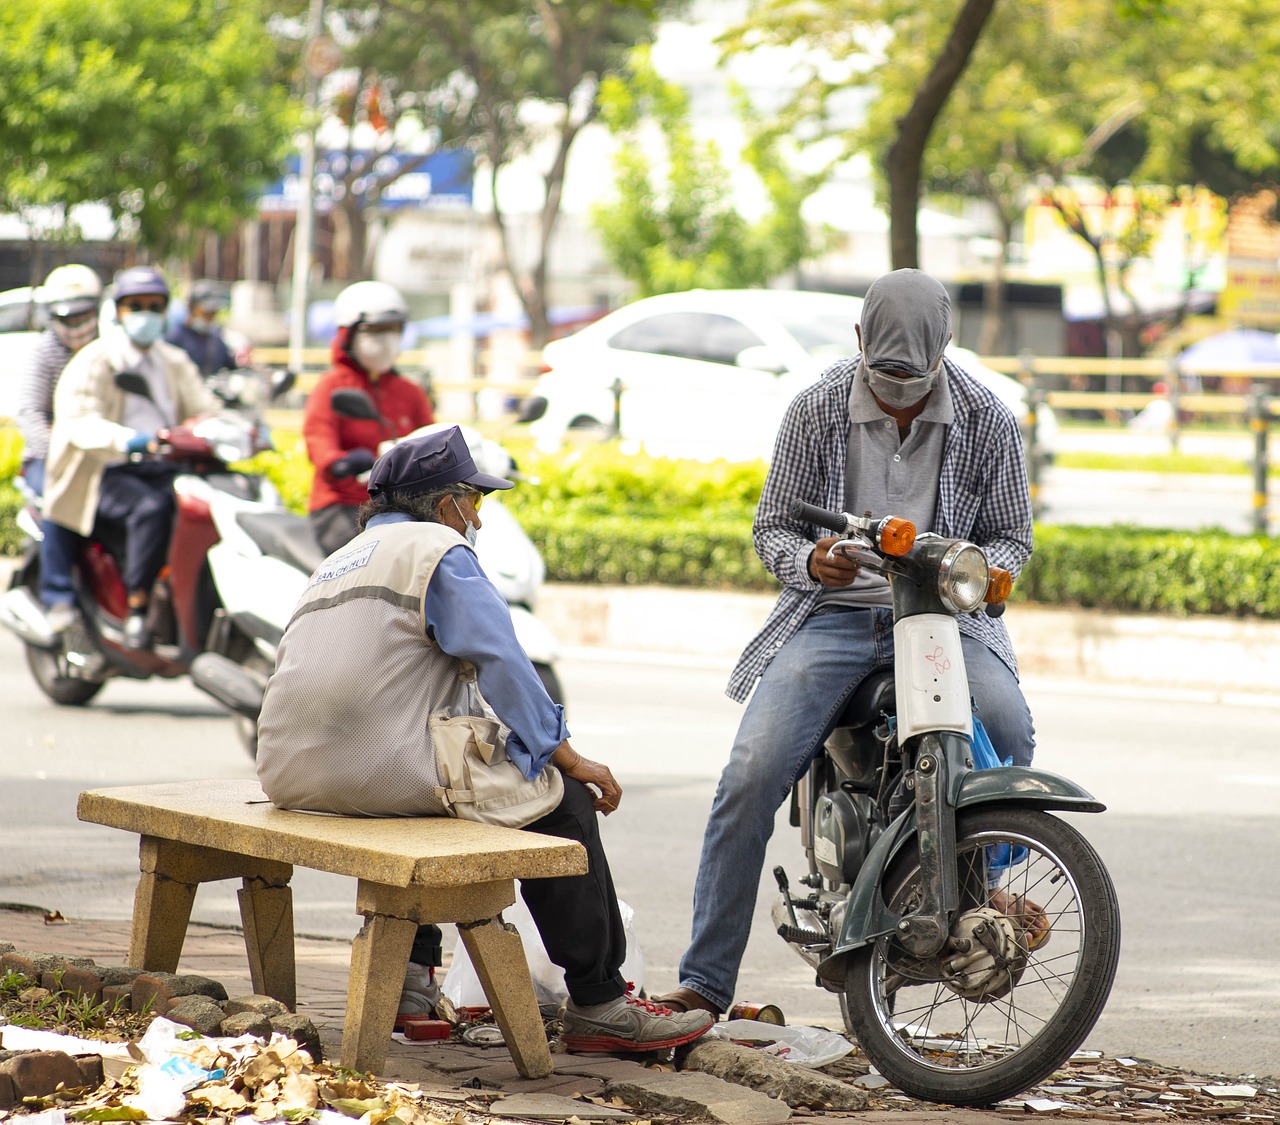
438, 181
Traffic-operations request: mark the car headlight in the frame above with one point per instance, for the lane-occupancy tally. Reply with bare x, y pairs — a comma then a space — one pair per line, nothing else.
963, 578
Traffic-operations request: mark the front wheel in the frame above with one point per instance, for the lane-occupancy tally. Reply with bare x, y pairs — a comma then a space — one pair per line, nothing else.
49, 670
1008, 1001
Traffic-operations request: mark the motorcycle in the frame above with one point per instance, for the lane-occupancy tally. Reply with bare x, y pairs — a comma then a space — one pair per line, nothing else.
263, 561
973, 936
185, 617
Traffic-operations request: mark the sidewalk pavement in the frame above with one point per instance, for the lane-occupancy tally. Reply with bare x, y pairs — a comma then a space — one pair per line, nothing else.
454, 1070
1218, 654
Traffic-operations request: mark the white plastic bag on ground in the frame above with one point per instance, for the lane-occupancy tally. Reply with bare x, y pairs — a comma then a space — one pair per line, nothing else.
805, 1046
462, 986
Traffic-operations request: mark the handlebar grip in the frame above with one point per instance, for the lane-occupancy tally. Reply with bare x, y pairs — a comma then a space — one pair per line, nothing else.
810, 513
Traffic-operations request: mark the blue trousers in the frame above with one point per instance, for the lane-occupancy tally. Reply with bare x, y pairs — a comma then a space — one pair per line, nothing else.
792, 710
58, 549
138, 499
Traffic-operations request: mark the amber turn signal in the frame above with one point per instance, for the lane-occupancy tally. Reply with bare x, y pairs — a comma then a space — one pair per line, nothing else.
999, 585
897, 536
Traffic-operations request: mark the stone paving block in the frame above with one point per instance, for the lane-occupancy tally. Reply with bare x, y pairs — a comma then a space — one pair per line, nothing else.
90, 1069
37, 1073
246, 1023
7, 1093
118, 997
698, 1097
301, 1030
198, 1013
549, 1107
267, 1006
75, 980
796, 1085
159, 988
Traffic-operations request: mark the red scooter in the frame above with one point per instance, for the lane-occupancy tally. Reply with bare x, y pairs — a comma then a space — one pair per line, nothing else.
186, 617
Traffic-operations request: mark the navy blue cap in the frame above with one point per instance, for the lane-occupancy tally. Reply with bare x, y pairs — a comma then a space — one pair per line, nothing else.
421, 464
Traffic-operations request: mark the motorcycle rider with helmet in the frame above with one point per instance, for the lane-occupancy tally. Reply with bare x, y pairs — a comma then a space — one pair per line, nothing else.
370, 317
199, 335
71, 296
97, 427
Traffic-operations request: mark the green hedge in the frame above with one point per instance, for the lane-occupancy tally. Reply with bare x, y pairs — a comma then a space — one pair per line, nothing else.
601, 516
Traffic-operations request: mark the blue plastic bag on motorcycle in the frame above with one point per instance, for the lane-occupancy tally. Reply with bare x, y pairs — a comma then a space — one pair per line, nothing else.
1000, 857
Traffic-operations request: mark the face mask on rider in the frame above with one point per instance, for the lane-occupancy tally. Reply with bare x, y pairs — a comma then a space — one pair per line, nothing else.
75, 334
376, 352
143, 328
897, 392
470, 533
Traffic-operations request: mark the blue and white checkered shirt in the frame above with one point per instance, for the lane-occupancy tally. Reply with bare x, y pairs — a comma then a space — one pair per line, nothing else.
982, 497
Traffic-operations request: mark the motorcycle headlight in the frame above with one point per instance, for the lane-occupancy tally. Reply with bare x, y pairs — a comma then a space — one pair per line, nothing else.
231, 437
963, 578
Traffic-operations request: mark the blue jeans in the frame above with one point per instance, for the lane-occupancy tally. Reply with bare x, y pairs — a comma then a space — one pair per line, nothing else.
790, 714
58, 549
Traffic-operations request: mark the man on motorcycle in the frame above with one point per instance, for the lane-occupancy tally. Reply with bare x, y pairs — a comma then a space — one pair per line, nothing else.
199, 336
393, 725
370, 316
71, 295
97, 426
898, 430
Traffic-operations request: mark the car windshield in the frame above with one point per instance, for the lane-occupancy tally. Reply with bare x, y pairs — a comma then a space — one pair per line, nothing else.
823, 333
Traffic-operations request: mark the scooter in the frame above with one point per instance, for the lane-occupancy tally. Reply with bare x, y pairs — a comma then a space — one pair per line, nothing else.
265, 559
73, 666
973, 937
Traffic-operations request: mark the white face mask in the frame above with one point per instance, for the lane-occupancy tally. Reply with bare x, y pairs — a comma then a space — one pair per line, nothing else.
143, 328
470, 533
376, 352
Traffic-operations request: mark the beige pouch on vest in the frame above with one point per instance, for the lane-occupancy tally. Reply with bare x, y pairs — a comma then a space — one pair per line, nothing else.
480, 782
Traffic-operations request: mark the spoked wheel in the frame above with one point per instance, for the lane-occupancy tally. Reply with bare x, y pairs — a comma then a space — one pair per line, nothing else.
1007, 1001
51, 672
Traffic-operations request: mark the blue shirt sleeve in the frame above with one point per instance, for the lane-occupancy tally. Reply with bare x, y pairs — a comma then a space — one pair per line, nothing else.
468, 618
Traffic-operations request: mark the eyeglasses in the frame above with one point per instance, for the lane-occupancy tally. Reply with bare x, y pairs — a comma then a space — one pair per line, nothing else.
142, 304
476, 498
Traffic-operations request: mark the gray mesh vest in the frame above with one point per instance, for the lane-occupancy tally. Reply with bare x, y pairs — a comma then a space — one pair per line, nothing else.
344, 724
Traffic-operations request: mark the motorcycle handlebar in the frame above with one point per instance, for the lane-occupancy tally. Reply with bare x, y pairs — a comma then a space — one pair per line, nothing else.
820, 517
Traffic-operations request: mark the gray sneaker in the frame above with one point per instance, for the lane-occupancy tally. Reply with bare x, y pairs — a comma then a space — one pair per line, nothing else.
420, 994
629, 1024
62, 616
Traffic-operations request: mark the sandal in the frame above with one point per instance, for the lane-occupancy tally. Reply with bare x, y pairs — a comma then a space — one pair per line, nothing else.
1036, 929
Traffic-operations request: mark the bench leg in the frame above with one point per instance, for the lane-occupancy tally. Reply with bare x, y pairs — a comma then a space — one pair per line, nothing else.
161, 911
266, 910
498, 956
379, 957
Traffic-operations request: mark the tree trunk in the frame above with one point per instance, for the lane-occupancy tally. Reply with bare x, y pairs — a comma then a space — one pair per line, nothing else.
902, 165
993, 302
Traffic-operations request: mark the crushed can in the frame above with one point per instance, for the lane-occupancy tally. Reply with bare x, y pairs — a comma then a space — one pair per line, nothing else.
764, 1013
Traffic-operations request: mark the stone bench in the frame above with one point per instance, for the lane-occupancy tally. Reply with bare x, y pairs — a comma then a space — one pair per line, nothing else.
409, 871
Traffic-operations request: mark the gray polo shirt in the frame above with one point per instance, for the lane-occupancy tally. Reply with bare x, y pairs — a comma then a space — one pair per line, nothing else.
890, 477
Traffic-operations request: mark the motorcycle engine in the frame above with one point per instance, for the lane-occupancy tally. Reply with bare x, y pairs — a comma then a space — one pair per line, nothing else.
842, 834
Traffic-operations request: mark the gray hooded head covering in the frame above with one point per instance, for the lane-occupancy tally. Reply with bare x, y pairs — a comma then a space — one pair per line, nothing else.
906, 322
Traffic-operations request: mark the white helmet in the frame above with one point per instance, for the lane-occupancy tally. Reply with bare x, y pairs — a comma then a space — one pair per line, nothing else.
69, 290
369, 302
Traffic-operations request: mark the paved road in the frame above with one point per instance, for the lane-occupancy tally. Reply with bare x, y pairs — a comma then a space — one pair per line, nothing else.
1191, 837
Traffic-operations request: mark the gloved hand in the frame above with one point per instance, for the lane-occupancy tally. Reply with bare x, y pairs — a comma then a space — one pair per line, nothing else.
352, 464
139, 442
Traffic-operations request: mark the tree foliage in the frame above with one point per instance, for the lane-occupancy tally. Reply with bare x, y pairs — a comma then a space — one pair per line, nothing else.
672, 223
169, 111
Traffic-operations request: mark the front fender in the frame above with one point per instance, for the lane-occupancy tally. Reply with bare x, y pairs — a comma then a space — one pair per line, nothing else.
868, 918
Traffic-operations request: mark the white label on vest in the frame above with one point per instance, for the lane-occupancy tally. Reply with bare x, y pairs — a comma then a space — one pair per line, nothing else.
344, 564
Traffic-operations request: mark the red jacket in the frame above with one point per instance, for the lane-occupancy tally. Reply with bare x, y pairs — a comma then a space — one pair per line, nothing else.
329, 436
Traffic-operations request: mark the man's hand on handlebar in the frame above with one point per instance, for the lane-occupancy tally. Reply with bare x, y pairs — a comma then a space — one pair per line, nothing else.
831, 569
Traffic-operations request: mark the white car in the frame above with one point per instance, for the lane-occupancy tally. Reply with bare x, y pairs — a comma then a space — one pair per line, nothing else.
19, 334
708, 373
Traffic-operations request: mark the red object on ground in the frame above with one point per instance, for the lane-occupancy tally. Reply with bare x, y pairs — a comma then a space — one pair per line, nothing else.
423, 1027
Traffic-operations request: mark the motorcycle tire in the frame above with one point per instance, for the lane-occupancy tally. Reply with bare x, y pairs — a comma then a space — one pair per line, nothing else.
951, 1033
550, 681
66, 691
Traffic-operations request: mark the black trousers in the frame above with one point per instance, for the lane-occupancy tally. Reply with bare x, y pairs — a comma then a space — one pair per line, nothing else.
577, 915
137, 501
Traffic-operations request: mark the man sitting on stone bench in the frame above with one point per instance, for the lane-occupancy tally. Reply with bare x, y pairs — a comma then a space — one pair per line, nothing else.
400, 690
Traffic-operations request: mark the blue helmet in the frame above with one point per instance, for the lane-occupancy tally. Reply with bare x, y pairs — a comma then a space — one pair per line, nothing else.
139, 281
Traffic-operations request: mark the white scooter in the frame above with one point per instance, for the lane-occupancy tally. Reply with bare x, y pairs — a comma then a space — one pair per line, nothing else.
264, 559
